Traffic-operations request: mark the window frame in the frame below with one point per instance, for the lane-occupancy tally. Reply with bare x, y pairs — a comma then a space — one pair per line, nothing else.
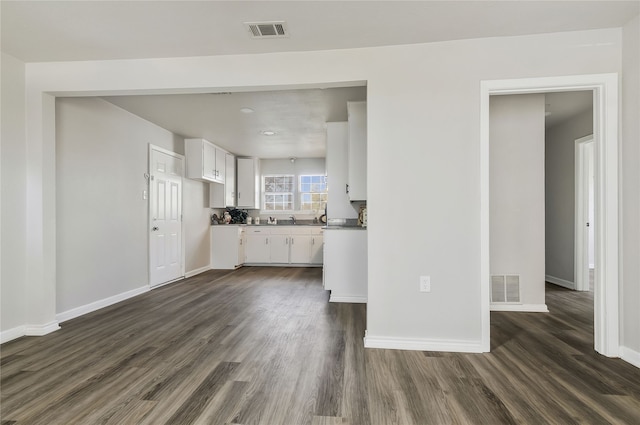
311, 192
265, 193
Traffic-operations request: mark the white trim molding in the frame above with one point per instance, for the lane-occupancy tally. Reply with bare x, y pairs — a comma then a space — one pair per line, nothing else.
197, 271
11, 334
524, 308
97, 305
421, 344
560, 282
347, 299
605, 136
41, 330
630, 356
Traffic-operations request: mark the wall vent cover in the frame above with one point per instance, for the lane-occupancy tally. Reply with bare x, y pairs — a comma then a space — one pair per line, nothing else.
275, 29
505, 288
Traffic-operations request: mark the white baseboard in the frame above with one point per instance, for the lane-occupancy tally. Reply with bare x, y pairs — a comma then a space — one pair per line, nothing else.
11, 334
97, 305
630, 356
40, 330
560, 282
347, 299
192, 273
420, 344
530, 308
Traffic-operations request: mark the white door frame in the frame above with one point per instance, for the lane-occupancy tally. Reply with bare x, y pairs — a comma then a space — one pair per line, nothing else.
605, 114
150, 218
581, 239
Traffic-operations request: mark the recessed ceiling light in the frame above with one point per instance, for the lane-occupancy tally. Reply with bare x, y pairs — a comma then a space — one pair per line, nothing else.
268, 132
246, 110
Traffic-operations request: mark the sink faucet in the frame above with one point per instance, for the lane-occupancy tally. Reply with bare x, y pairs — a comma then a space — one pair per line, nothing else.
293, 219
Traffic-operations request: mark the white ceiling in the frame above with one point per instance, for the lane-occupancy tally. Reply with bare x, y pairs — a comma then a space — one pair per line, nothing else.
297, 116
36, 31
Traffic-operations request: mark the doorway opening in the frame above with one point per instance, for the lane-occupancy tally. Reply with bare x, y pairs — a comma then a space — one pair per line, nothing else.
605, 136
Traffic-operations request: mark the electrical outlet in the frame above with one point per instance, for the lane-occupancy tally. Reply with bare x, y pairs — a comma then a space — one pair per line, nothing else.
425, 283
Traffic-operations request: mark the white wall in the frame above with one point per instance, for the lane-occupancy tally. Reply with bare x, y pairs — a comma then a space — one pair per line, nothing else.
13, 215
423, 131
516, 157
560, 193
630, 157
197, 221
102, 218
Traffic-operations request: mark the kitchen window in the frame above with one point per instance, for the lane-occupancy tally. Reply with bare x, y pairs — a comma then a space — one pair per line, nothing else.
313, 192
278, 192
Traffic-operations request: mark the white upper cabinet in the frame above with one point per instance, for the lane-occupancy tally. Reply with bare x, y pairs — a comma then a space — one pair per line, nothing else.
357, 152
222, 195
248, 183
338, 202
205, 161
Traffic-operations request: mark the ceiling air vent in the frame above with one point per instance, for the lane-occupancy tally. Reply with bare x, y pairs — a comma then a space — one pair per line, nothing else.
276, 29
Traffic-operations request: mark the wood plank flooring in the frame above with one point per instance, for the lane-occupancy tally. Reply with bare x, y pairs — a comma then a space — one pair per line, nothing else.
263, 346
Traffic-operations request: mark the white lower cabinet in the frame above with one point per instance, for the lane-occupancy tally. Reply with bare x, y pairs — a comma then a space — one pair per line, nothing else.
227, 247
279, 247
345, 265
257, 248
306, 246
284, 245
317, 247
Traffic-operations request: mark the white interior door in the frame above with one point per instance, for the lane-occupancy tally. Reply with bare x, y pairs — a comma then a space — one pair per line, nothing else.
165, 220
584, 212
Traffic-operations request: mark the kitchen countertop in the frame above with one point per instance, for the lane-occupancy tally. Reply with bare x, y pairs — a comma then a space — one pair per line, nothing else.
272, 225
343, 227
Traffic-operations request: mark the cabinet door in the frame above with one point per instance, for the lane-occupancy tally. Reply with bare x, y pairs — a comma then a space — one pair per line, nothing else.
317, 242
230, 180
241, 248
300, 249
279, 247
257, 248
357, 159
221, 165
208, 161
248, 188
338, 202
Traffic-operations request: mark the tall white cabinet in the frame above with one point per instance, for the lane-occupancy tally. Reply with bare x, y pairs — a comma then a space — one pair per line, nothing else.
357, 151
338, 202
248, 183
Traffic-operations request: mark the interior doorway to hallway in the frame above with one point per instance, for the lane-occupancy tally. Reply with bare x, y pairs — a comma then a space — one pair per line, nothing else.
605, 88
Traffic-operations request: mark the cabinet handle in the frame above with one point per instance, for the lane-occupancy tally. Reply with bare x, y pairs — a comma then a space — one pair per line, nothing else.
313, 241
347, 187
291, 241
266, 241
286, 241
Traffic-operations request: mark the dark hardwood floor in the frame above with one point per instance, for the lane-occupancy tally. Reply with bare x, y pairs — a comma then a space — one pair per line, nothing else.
263, 346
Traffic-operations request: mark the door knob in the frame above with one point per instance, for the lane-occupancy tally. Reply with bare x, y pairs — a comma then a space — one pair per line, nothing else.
154, 228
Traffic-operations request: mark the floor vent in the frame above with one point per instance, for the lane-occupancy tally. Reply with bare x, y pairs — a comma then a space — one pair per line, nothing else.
267, 29
505, 288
